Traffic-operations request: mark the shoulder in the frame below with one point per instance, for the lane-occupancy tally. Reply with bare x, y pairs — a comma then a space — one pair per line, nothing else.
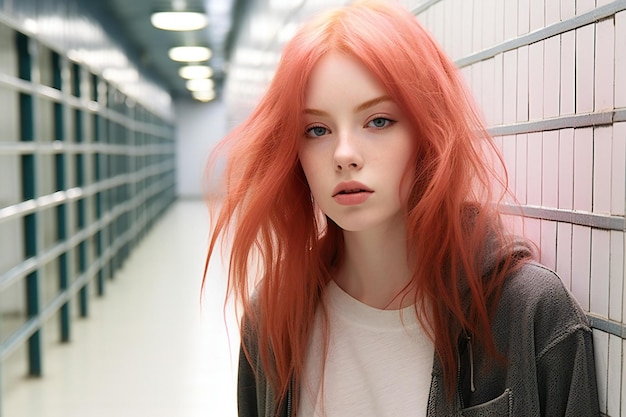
538, 287
535, 301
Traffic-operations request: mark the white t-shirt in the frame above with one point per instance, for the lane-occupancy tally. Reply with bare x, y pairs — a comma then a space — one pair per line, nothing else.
379, 362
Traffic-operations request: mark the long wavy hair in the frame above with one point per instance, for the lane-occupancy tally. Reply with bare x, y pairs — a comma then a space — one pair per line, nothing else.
273, 228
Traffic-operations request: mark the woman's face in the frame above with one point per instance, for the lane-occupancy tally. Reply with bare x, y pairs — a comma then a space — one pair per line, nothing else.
356, 146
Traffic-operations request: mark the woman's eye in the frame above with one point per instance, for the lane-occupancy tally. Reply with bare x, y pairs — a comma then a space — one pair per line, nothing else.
316, 131
380, 122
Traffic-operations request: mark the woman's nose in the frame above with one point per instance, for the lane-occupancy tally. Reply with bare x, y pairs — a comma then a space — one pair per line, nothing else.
348, 153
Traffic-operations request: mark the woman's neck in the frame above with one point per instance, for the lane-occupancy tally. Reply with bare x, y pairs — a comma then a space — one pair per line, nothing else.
376, 268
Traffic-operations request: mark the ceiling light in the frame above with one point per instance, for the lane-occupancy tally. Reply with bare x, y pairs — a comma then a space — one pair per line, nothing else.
180, 21
190, 53
195, 71
31, 26
200, 84
203, 95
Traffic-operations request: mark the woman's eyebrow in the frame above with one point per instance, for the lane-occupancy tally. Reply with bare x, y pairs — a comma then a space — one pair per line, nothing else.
316, 112
363, 106
371, 103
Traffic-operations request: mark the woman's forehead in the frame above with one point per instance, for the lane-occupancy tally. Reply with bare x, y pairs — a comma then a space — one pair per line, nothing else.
338, 76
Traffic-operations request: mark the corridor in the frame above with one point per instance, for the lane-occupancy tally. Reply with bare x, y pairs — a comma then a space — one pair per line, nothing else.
149, 347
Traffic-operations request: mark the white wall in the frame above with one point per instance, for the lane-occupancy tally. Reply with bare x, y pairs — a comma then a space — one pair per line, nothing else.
199, 127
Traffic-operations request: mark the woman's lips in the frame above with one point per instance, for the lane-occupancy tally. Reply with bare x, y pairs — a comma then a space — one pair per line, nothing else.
351, 193
352, 199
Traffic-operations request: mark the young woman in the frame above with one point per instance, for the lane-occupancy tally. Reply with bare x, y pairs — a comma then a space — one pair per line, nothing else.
360, 191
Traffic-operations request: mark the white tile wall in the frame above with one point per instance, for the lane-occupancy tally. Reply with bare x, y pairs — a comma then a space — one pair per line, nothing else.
614, 376
523, 16
509, 87
455, 48
568, 73
553, 12
601, 351
550, 169
581, 169
466, 74
424, 18
568, 9
488, 14
438, 22
477, 83
510, 19
498, 144
620, 59
535, 164
604, 63
581, 256
548, 243
521, 151
583, 6
566, 169
499, 21
564, 253
488, 90
602, 169
535, 81
448, 28
618, 165
498, 163
498, 88
508, 155
467, 7
584, 68
616, 279
532, 230
600, 254
537, 14
551, 76
522, 84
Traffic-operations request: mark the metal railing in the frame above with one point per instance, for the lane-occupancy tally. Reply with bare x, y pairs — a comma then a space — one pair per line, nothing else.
108, 165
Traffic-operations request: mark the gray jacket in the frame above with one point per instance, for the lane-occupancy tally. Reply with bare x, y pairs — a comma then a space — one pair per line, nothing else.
538, 327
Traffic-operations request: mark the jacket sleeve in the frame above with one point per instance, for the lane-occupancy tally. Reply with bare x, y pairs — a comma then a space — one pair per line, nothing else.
246, 387
566, 376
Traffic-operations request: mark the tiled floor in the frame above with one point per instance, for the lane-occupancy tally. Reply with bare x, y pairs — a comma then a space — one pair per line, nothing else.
150, 346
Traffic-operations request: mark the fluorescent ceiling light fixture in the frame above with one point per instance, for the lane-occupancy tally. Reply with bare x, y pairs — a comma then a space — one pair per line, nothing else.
191, 72
190, 53
179, 21
204, 95
31, 26
200, 84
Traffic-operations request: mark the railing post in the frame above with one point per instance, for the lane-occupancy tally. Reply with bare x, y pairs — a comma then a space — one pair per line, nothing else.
80, 182
61, 184
98, 167
27, 134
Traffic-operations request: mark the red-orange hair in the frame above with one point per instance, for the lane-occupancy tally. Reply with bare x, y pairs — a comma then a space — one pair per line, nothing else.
269, 214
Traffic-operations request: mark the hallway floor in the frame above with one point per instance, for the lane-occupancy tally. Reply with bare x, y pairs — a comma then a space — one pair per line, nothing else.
149, 346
